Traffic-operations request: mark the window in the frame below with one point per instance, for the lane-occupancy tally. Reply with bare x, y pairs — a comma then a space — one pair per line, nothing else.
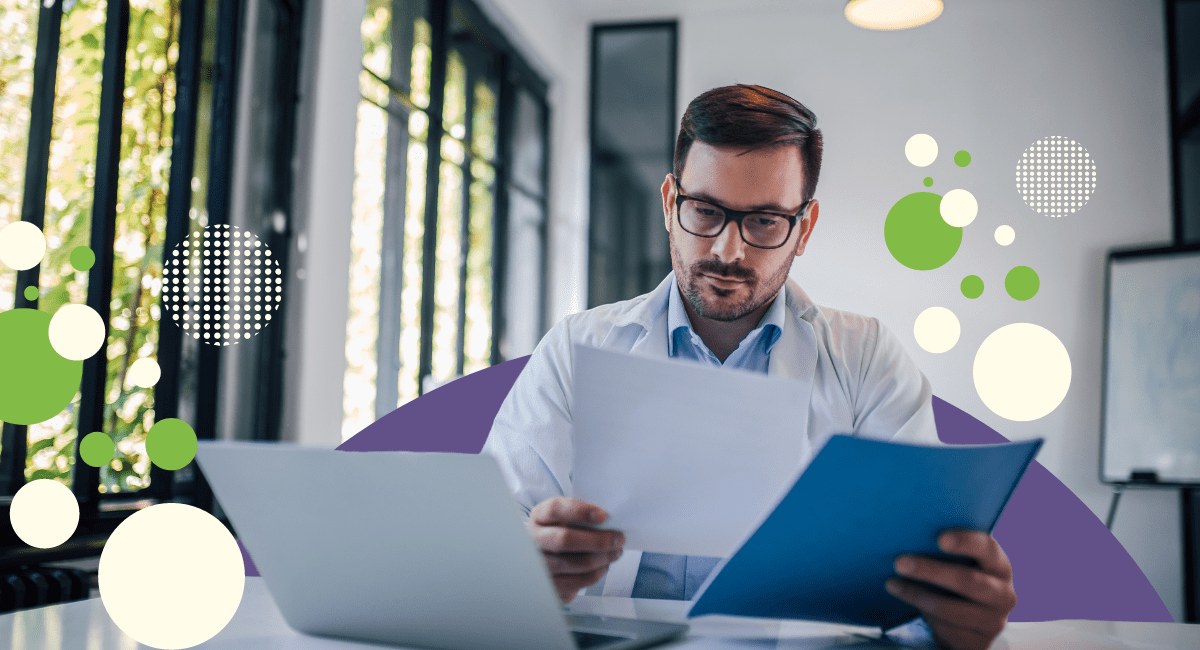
449, 204
117, 135
632, 143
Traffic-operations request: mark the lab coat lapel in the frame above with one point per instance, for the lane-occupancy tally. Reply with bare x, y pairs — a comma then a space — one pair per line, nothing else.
794, 357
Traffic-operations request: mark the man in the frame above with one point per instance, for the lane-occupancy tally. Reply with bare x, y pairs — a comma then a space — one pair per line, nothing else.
738, 208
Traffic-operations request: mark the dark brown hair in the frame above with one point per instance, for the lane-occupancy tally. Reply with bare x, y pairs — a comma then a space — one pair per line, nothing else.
754, 117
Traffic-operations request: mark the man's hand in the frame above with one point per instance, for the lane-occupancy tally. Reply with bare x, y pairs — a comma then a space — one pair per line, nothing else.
577, 557
973, 620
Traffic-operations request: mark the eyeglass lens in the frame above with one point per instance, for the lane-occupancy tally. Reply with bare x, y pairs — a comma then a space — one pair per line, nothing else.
706, 220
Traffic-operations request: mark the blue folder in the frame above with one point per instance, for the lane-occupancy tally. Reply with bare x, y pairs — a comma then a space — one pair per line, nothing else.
826, 550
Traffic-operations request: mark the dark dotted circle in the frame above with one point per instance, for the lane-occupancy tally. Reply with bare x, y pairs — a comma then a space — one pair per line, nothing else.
1056, 176
221, 285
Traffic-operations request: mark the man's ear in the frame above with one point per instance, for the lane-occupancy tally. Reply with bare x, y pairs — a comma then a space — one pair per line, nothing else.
807, 224
668, 197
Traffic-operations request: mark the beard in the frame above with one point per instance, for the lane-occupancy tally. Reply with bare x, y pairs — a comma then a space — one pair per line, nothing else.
724, 306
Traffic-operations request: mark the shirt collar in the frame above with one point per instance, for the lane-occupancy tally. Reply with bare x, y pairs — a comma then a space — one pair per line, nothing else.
771, 324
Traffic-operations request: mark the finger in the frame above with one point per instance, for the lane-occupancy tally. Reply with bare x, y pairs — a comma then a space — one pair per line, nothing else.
579, 563
567, 586
564, 539
979, 545
961, 613
565, 510
971, 584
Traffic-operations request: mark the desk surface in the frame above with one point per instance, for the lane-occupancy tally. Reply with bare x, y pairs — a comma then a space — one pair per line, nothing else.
257, 624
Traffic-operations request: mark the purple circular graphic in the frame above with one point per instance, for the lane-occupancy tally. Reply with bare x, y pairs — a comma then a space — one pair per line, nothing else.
1066, 564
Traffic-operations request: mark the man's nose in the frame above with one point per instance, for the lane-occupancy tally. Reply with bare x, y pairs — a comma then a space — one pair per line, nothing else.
729, 246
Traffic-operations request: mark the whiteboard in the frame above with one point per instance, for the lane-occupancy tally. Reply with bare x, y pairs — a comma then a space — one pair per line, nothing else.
1151, 420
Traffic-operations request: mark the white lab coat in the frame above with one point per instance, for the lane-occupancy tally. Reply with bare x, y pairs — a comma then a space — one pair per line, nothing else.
852, 371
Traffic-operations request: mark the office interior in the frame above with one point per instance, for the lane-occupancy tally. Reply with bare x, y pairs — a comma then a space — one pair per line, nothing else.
405, 264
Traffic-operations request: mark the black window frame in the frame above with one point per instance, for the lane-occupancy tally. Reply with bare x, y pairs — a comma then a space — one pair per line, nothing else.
101, 513
514, 74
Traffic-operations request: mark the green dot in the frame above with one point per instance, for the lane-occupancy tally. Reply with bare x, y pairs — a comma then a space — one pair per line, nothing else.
171, 443
916, 234
36, 383
962, 159
1022, 283
928, 181
972, 286
82, 258
96, 449
31, 293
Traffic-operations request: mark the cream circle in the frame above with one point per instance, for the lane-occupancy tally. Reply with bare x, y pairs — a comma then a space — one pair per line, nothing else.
1005, 235
921, 150
936, 329
144, 372
44, 513
76, 332
958, 208
22, 245
171, 576
1022, 372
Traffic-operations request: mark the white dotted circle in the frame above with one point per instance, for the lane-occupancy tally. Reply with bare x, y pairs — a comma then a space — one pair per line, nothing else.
221, 285
1056, 176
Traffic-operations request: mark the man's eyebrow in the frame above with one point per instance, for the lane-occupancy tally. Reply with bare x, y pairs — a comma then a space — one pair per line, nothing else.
765, 207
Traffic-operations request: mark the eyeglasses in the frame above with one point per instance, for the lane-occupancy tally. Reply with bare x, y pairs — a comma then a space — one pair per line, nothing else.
758, 229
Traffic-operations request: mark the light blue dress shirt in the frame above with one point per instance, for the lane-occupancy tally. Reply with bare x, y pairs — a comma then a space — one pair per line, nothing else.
678, 577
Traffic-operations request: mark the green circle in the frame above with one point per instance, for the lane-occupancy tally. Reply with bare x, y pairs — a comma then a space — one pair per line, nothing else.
31, 293
962, 159
36, 383
96, 449
1022, 283
916, 234
972, 286
82, 258
171, 443
928, 181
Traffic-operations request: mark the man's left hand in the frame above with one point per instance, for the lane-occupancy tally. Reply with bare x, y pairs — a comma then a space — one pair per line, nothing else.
986, 596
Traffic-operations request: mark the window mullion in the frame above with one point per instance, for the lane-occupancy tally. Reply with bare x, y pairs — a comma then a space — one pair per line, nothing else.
460, 350
505, 101
220, 166
13, 442
104, 221
439, 26
391, 281
179, 201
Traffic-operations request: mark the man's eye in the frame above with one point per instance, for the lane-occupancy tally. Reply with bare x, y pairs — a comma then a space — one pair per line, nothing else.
766, 222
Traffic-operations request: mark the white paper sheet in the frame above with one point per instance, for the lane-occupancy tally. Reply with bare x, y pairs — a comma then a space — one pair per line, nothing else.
686, 458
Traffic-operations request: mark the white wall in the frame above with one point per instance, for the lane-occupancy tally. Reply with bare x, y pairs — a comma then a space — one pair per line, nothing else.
989, 77
319, 284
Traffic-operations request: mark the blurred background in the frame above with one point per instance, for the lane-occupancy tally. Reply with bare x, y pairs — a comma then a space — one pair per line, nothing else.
443, 180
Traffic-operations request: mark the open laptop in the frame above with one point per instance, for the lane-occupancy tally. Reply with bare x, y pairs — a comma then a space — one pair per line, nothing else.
414, 549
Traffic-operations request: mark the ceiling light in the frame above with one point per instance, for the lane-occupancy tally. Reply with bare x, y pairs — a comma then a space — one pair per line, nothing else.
892, 14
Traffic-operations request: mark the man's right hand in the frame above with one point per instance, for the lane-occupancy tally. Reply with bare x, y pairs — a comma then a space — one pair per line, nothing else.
576, 554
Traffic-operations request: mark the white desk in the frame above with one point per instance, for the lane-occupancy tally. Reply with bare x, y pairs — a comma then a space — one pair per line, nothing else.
84, 625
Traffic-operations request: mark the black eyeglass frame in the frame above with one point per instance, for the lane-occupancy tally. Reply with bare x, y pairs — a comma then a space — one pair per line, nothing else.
734, 215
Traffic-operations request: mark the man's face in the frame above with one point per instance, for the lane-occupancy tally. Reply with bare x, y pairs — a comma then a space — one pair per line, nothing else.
723, 277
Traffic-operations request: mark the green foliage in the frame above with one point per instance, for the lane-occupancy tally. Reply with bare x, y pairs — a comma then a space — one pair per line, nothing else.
140, 221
